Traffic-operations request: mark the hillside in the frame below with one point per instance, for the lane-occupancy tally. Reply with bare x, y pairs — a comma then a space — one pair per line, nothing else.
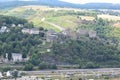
89, 46
41, 15
60, 33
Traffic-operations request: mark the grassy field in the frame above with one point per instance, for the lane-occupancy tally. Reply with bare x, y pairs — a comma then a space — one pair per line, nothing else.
67, 21
109, 17
87, 17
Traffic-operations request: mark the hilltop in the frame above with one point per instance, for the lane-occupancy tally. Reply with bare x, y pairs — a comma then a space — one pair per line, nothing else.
57, 3
58, 18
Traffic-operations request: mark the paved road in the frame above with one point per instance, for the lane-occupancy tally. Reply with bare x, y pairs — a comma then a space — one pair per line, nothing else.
103, 70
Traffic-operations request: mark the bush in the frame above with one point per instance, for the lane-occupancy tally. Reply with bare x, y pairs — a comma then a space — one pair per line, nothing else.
43, 66
47, 66
6, 69
91, 65
28, 67
53, 66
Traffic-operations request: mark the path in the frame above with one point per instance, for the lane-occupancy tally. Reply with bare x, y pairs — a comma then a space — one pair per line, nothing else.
52, 24
55, 25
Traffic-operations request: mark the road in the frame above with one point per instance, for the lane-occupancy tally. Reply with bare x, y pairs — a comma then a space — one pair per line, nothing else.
80, 71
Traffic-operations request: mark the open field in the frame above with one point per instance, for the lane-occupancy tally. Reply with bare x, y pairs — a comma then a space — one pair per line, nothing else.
87, 17
109, 17
64, 21
117, 25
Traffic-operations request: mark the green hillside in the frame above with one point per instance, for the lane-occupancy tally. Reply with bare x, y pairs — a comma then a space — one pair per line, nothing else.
70, 47
100, 51
63, 17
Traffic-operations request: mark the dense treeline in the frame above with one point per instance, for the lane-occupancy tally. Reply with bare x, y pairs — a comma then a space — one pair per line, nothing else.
8, 20
15, 41
83, 52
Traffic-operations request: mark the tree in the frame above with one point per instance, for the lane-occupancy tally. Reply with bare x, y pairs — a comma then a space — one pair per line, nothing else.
24, 55
28, 67
9, 56
91, 65
15, 74
43, 66
52, 66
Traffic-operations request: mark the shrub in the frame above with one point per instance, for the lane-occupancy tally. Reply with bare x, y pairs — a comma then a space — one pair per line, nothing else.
28, 67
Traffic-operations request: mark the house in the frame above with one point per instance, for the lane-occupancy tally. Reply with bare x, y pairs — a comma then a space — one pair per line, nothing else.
68, 33
30, 31
25, 30
82, 32
51, 38
34, 31
51, 35
13, 25
50, 32
20, 25
16, 57
92, 34
4, 29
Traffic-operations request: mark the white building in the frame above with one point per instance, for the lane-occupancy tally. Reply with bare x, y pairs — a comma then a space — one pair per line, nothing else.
16, 57
20, 25
13, 25
8, 74
4, 29
30, 31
